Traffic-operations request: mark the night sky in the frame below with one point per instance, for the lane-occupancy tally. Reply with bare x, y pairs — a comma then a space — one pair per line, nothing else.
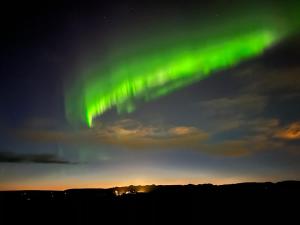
113, 94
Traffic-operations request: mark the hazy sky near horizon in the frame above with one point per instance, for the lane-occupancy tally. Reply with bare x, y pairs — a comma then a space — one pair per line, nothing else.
61, 63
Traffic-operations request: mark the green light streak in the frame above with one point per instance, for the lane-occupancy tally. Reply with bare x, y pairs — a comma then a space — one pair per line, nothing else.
150, 76
157, 58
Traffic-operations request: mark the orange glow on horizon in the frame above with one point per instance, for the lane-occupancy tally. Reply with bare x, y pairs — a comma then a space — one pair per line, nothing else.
72, 184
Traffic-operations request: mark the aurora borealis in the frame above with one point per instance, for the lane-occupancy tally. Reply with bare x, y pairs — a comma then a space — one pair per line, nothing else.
150, 76
108, 94
163, 63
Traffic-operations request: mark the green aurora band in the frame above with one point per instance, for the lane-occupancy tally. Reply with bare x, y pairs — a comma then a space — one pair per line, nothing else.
150, 72
158, 74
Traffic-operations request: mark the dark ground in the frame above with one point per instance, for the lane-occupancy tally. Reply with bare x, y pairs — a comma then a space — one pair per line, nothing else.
189, 204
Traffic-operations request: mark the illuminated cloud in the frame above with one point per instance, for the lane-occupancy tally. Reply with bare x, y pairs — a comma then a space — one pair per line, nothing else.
133, 135
129, 134
291, 132
183, 131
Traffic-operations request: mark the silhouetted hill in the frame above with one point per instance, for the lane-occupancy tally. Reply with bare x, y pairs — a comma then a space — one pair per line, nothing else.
156, 204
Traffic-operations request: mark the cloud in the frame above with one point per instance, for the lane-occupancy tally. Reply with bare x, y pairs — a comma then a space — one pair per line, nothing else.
269, 81
128, 133
290, 132
178, 131
9, 157
237, 107
134, 135
231, 148
258, 135
261, 125
265, 134
230, 113
241, 121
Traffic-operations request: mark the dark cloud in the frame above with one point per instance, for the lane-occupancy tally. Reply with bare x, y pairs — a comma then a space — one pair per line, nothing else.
9, 157
229, 113
267, 81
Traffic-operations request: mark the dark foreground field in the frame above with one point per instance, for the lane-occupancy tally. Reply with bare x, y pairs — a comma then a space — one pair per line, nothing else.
189, 204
